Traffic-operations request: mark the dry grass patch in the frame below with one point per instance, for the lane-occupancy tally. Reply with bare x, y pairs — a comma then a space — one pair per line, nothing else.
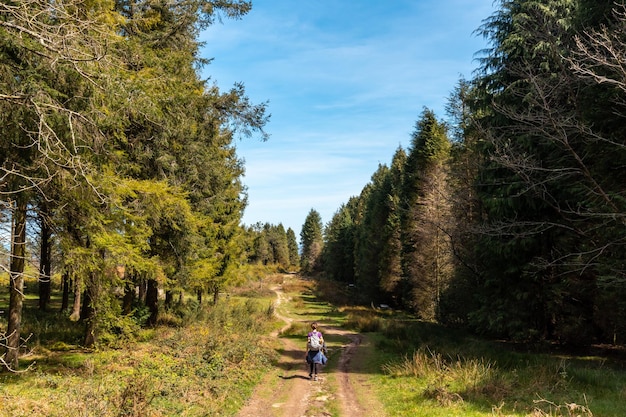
298, 286
365, 319
207, 367
425, 363
296, 329
443, 396
545, 408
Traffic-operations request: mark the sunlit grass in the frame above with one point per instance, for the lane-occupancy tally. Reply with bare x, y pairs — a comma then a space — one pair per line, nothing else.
431, 378
206, 365
423, 369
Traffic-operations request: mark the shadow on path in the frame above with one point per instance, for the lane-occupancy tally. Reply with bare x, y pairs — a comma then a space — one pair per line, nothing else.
294, 377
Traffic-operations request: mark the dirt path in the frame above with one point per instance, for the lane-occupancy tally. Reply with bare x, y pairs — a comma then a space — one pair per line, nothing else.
287, 391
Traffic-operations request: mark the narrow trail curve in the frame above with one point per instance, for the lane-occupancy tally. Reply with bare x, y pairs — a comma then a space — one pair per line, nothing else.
294, 395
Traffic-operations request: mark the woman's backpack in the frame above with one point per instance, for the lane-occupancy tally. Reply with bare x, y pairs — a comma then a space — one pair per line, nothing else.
315, 341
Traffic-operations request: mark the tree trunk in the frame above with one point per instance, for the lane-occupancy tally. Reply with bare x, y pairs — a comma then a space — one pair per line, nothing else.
216, 294
65, 292
169, 299
90, 305
142, 290
84, 311
88, 315
16, 285
152, 298
129, 297
75, 316
44, 263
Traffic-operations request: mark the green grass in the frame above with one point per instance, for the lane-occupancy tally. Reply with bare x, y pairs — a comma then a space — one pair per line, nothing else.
458, 375
423, 369
207, 365
209, 362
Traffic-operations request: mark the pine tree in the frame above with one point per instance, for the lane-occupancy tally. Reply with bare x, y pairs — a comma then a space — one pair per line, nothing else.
311, 238
426, 254
459, 298
390, 266
292, 245
339, 244
370, 241
546, 180
130, 148
514, 298
277, 238
48, 53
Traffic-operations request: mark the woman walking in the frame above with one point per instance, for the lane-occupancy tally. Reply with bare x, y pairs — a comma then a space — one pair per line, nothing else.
315, 351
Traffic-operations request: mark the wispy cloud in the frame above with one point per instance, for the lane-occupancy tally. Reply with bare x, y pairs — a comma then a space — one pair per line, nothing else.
346, 82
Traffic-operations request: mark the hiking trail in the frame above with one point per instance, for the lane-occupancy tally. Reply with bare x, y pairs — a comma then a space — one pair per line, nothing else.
286, 390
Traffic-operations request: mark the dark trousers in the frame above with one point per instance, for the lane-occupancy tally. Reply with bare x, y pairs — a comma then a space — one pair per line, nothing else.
312, 364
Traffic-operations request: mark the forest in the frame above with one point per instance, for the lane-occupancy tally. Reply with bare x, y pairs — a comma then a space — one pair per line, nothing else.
507, 217
120, 186
121, 190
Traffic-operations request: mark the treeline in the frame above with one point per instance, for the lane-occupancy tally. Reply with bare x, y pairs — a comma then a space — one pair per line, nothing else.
508, 218
270, 244
118, 171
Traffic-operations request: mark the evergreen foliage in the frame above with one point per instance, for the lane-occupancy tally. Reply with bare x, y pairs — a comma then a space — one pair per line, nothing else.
292, 247
115, 139
545, 188
272, 245
425, 253
312, 242
339, 243
370, 241
514, 226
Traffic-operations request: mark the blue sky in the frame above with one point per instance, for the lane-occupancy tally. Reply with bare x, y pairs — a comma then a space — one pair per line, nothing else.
345, 82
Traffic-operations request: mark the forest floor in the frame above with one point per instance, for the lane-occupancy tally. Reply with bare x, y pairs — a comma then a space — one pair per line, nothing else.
342, 387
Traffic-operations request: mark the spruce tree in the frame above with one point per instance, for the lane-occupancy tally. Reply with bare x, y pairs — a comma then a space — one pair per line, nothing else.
546, 185
292, 245
390, 265
339, 244
312, 241
426, 260
370, 240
